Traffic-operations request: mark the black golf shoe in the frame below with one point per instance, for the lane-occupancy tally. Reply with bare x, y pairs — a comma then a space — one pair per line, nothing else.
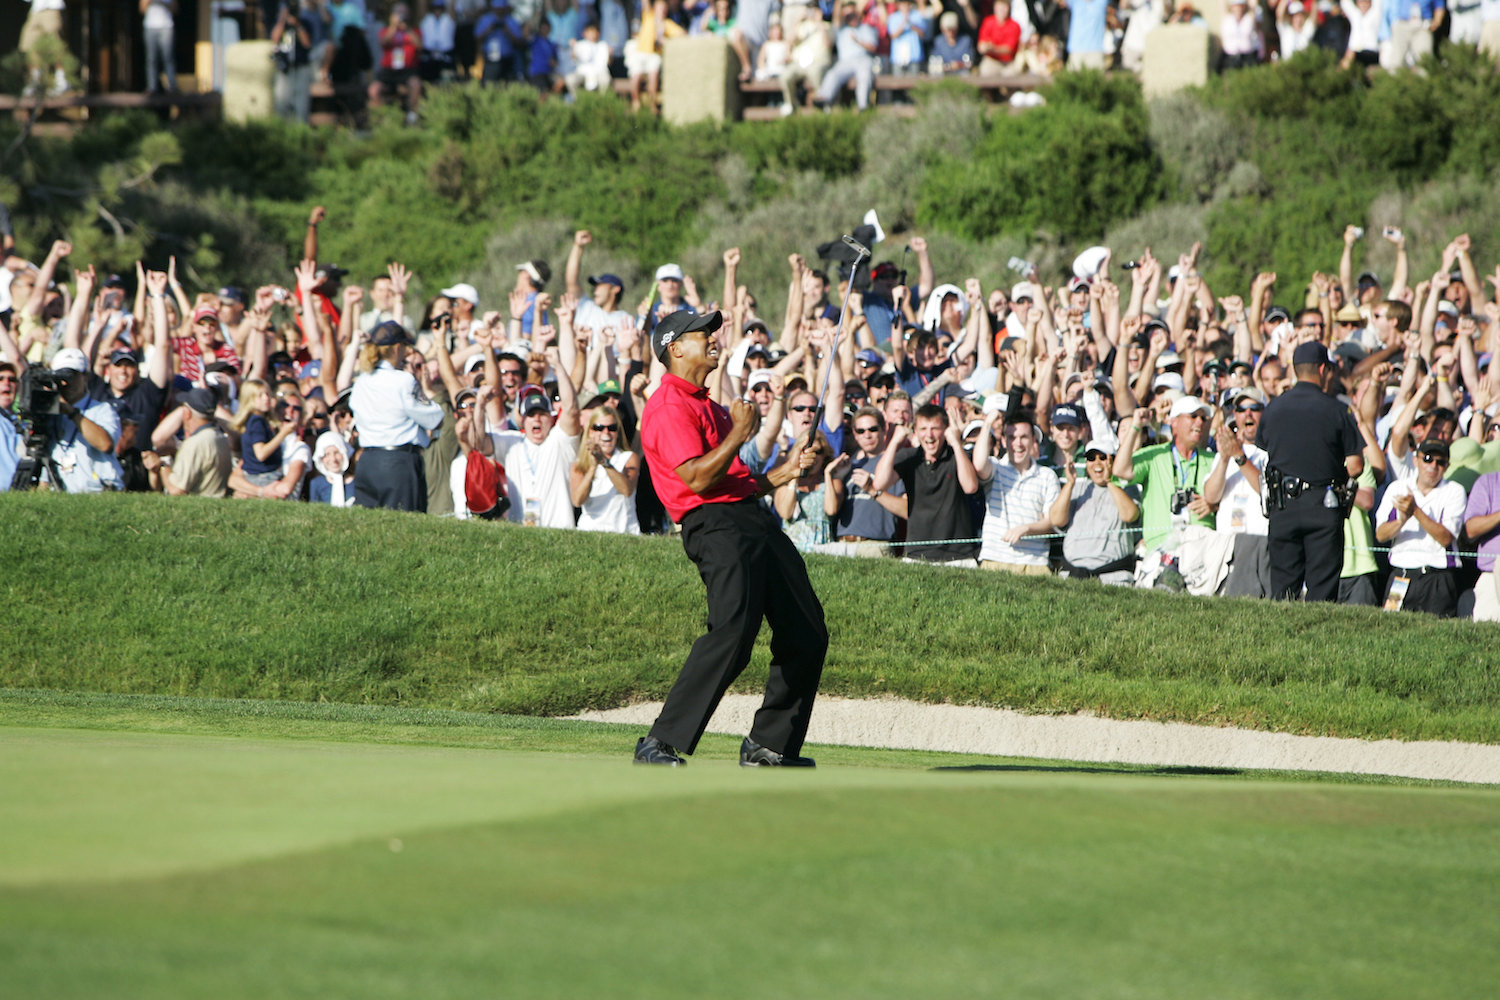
752, 754
650, 750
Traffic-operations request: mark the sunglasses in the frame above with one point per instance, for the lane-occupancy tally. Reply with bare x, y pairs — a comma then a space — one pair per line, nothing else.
1433, 460
510, 372
867, 430
761, 388
8, 378
1250, 408
1095, 456
461, 407
611, 428
803, 409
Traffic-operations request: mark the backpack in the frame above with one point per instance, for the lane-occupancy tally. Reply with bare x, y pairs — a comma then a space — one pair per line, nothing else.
486, 491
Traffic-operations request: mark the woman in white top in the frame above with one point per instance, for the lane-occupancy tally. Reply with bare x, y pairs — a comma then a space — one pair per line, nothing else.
603, 478
1294, 26
1364, 33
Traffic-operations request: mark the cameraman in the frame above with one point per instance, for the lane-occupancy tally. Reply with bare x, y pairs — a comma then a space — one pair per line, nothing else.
83, 440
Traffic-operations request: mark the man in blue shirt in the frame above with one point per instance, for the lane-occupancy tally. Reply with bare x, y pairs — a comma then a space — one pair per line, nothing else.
1086, 29
11, 443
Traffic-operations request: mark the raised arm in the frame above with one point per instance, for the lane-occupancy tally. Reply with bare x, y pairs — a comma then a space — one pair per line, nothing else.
400, 278
1403, 265
1124, 468
160, 372
44, 278
885, 469
925, 280
581, 239
731, 277
184, 306
78, 313
1461, 246
1260, 290
310, 239
567, 413
1346, 263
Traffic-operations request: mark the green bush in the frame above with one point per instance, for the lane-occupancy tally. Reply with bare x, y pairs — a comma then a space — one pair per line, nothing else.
1069, 168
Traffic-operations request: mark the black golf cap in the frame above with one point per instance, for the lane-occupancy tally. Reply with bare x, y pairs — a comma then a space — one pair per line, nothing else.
388, 333
676, 324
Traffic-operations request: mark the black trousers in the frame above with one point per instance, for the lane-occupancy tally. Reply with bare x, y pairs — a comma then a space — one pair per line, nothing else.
394, 479
1434, 591
1306, 546
752, 571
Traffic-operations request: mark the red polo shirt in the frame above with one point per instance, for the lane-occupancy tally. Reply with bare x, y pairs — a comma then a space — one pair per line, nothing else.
681, 423
1006, 34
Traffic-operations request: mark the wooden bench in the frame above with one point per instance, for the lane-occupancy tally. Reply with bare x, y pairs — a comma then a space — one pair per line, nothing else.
763, 97
81, 107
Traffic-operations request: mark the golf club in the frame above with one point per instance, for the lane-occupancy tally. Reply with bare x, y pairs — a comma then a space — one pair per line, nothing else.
861, 253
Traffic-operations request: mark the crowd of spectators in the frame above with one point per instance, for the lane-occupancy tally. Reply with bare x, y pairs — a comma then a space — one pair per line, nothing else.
813, 48
1078, 427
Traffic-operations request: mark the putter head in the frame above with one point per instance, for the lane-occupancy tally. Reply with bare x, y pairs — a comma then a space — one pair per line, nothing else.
857, 246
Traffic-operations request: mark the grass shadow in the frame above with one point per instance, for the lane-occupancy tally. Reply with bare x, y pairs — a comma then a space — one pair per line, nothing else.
1093, 769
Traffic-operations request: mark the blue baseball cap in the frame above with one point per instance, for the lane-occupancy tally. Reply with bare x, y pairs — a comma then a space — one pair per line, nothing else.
607, 279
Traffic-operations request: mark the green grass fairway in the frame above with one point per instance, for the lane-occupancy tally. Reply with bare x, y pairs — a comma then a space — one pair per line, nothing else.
142, 860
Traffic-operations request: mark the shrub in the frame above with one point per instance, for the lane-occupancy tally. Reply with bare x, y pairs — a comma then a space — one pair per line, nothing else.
1069, 168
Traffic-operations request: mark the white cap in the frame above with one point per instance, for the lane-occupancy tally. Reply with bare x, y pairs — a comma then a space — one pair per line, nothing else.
1086, 265
464, 291
477, 361
1022, 290
1096, 445
70, 359
757, 377
972, 427
1295, 7
668, 271
995, 402
1188, 406
1447, 308
1167, 359
983, 380
1172, 380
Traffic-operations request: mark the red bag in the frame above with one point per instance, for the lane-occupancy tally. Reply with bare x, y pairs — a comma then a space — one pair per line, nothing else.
486, 491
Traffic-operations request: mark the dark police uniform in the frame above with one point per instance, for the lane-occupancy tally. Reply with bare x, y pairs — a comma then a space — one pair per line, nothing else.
1307, 435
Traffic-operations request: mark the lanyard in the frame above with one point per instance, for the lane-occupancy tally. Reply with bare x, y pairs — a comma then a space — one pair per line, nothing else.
1180, 469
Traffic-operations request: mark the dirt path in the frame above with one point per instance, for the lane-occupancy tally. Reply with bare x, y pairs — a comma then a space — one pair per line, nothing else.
898, 724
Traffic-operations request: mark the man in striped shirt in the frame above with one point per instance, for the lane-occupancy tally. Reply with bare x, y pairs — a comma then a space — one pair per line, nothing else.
1019, 493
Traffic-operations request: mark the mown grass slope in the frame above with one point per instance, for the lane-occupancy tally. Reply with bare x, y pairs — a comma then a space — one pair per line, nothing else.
149, 595
150, 864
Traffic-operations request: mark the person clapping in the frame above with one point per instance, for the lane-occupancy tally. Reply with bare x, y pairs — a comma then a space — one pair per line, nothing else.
603, 478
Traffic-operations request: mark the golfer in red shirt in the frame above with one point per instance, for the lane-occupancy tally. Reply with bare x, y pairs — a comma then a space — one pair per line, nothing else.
749, 566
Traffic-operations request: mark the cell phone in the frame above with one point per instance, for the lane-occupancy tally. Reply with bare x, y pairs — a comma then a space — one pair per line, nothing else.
1131, 265
1391, 233
1359, 232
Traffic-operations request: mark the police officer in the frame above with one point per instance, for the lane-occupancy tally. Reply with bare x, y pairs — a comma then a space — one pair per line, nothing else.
392, 418
1313, 453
